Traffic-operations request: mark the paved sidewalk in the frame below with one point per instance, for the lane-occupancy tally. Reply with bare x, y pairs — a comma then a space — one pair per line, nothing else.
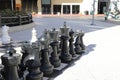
101, 60
14, 29
23, 33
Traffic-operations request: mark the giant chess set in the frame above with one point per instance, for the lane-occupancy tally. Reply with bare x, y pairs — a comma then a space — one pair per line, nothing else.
41, 58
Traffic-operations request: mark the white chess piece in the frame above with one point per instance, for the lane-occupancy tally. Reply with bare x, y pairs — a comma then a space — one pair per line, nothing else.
0, 42
34, 38
5, 36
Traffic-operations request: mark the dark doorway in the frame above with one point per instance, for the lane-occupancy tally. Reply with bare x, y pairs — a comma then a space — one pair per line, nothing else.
103, 6
29, 5
56, 9
66, 9
75, 9
46, 9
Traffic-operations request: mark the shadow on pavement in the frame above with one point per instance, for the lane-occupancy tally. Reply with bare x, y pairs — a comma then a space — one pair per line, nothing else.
89, 48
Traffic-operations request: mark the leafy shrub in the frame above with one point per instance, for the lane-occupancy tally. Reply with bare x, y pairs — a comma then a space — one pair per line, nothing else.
10, 13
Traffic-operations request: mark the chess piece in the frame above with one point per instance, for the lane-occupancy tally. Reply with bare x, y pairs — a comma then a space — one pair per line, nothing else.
1, 77
46, 66
55, 61
0, 42
81, 39
36, 52
71, 44
78, 49
79, 45
25, 52
34, 70
5, 36
10, 60
65, 55
34, 38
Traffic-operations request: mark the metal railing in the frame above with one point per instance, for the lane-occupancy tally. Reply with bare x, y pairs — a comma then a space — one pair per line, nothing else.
16, 20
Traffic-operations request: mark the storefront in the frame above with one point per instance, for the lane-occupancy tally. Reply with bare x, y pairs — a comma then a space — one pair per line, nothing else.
66, 8
57, 6
70, 8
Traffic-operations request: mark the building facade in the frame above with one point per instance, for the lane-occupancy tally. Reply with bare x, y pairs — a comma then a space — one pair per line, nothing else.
7, 4
61, 6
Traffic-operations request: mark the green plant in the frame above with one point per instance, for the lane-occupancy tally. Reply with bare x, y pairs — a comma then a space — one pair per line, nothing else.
10, 13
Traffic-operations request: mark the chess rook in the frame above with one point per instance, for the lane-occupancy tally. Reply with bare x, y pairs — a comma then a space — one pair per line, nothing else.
10, 60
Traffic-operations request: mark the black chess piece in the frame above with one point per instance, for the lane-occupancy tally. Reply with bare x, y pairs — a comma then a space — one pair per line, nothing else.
78, 49
46, 66
36, 52
25, 53
81, 40
10, 60
1, 77
65, 55
79, 45
71, 44
55, 61
34, 70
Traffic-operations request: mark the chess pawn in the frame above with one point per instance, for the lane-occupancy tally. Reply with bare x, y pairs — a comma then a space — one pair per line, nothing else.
5, 36
71, 44
10, 60
34, 38
0, 42
34, 70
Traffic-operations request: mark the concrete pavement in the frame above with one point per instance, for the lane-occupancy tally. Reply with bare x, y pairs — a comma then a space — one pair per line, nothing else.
101, 60
14, 29
74, 22
47, 22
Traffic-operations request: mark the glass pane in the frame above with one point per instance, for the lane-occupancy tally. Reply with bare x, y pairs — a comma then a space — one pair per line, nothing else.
46, 1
